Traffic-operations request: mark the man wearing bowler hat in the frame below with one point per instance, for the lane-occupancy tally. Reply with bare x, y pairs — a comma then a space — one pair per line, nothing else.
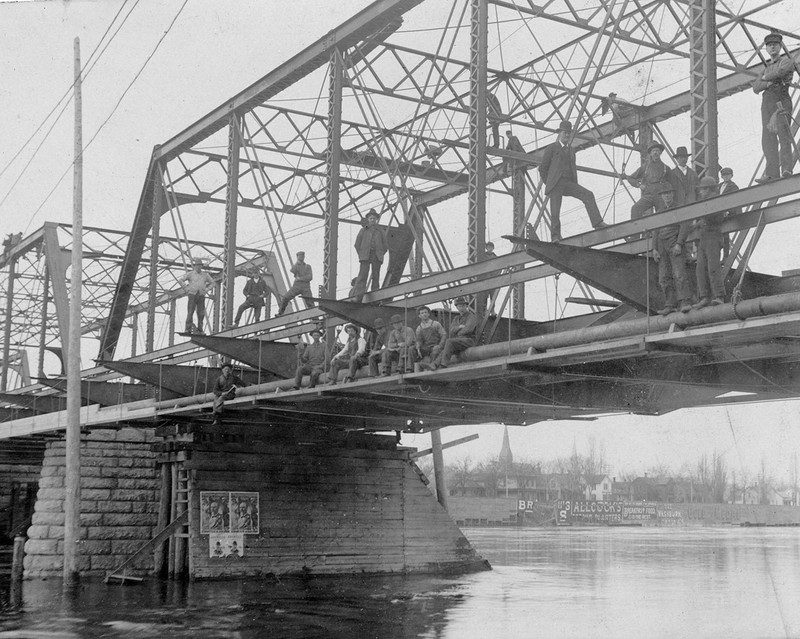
197, 283
371, 245
310, 360
651, 177
683, 178
776, 110
561, 179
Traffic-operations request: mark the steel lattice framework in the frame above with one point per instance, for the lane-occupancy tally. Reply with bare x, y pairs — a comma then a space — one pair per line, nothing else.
390, 110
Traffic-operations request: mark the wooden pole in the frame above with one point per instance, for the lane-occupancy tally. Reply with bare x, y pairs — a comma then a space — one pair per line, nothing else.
438, 467
72, 497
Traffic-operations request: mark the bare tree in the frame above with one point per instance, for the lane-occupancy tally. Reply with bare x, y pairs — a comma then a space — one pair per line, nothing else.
460, 473
719, 479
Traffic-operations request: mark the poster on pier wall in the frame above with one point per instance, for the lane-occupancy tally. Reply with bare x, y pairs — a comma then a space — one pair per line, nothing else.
244, 513
214, 512
225, 545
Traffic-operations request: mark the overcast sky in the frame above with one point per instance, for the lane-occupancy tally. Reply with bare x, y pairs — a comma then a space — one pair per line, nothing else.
214, 49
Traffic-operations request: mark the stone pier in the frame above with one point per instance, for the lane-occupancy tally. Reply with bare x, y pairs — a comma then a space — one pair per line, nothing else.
119, 504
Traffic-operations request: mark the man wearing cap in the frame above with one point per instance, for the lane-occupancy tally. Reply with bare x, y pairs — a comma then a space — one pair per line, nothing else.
196, 283
651, 177
224, 389
376, 346
560, 177
401, 348
301, 285
371, 245
463, 334
683, 178
776, 110
671, 258
256, 296
354, 349
728, 186
429, 337
710, 287
310, 360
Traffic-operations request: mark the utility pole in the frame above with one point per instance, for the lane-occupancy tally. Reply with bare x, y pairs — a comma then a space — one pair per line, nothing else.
72, 496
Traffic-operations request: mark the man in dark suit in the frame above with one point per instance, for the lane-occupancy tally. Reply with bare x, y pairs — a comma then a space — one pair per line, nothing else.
561, 179
683, 178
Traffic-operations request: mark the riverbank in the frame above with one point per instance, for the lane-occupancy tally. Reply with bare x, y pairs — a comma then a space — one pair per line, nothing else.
509, 512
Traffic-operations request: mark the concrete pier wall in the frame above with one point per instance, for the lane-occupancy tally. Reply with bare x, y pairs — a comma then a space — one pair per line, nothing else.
119, 504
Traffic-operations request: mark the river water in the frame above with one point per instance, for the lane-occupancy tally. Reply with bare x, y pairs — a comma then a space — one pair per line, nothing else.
579, 582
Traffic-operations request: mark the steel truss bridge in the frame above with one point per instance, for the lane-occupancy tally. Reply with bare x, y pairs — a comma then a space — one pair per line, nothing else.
411, 94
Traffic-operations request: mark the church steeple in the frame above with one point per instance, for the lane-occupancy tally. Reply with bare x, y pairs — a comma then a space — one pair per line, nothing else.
506, 457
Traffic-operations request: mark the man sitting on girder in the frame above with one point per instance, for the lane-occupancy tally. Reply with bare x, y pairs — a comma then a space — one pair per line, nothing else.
462, 335
353, 355
671, 258
310, 360
256, 296
225, 389
429, 337
561, 179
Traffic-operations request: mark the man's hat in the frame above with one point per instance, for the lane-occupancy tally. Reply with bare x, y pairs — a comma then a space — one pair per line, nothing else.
655, 145
461, 300
353, 326
197, 260
423, 308
565, 126
708, 182
681, 152
373, 213
396, 318
667, 188
315, 331
379, 323
773, 37
726, 171
224, 366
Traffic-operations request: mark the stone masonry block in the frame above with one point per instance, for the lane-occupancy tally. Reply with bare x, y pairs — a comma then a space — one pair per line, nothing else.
41, 547
130, 472
96, 494
102, 435
48, 518
122, 532
135, 495
98, 482
91, 519
149, 507
113, 506
38, 532
54, 481
125, 546
45, 494
122, 519
95, 547
48, 505
138, 435
144, 483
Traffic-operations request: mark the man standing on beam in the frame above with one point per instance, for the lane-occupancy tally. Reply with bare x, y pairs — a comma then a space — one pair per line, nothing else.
561, 179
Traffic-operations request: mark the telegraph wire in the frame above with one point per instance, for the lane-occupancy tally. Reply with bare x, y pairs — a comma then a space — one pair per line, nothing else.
113, 111
90, 63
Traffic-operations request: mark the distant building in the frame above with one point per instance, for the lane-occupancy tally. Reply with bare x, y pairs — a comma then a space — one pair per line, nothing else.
597, 487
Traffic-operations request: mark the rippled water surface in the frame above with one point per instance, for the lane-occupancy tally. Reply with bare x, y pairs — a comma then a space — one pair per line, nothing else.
591, 582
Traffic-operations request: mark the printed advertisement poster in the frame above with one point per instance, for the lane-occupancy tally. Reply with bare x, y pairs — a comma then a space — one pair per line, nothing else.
225, 545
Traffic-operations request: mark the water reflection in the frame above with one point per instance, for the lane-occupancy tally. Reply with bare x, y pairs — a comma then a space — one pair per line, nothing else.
592, 582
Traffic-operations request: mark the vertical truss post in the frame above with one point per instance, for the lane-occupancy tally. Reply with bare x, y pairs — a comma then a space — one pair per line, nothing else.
173, 307
476, 193
43, 326
333, 156
12, 272
518, 191
155, 239
134, 333
416, 214
57, 267
703, 90
231, 220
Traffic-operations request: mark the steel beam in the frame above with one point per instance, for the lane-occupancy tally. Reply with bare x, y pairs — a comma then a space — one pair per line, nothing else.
57, 263
12, 269
278, 358
333, 159
703, 77
476, 191
231, 220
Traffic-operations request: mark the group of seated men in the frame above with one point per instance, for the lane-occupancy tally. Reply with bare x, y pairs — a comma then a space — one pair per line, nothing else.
384, 350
